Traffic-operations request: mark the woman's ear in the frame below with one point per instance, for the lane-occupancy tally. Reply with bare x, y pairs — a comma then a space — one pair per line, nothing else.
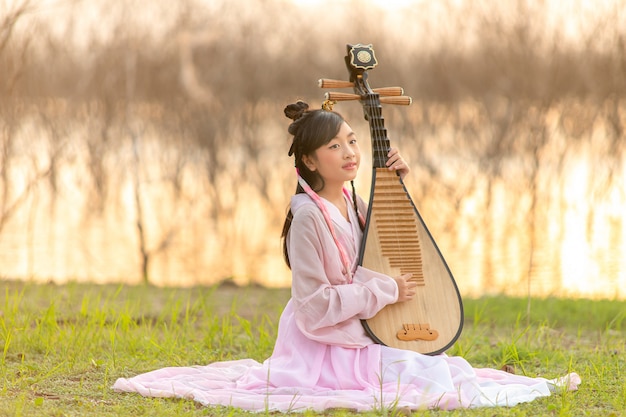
309, 162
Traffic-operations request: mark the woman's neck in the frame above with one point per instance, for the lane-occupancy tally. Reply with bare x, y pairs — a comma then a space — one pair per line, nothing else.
336, 197
332, 194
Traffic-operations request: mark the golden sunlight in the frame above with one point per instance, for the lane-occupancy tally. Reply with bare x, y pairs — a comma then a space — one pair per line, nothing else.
153, 149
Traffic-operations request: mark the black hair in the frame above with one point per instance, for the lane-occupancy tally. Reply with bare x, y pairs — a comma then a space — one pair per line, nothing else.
310, 129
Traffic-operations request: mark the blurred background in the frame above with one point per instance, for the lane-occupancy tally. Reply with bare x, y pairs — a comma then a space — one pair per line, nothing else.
145, 141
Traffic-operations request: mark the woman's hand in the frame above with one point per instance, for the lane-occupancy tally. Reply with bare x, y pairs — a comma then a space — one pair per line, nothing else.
406, 287
397, 163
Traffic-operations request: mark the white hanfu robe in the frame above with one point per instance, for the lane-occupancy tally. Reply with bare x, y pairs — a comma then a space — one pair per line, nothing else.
323, 357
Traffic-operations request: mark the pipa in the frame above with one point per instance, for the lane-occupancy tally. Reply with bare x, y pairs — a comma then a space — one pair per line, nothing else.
396, 240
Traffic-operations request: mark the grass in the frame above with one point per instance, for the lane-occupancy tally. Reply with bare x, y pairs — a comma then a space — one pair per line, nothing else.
62, 347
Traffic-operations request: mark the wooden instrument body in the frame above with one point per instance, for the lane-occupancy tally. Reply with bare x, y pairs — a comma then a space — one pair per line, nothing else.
396, 240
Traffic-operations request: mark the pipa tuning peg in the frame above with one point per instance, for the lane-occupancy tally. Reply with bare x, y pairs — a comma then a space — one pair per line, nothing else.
341, 96
389, 91
401, 100
328, 83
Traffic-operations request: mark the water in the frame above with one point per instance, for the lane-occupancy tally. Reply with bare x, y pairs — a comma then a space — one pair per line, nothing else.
64, 223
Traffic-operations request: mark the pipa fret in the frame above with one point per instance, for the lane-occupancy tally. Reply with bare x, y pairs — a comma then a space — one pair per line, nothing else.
396, 226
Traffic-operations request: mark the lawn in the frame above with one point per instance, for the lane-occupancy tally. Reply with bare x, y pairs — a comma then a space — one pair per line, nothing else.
63, 346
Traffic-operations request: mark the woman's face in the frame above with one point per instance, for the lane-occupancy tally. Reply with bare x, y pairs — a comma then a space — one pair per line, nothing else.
337, 161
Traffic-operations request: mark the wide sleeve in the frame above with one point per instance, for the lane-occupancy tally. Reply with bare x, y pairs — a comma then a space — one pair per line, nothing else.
324, 300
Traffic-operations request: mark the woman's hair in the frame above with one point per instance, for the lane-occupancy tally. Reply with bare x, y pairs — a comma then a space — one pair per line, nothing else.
310, 129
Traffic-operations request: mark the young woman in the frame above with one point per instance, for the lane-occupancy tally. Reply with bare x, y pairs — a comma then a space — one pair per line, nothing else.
323, 357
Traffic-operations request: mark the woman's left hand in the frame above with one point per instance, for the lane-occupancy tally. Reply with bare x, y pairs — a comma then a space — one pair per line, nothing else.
397, 163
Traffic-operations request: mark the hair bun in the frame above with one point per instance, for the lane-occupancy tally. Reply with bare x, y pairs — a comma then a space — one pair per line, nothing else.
296, 110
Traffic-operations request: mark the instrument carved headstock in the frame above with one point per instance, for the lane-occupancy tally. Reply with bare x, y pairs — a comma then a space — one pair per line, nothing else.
359, 59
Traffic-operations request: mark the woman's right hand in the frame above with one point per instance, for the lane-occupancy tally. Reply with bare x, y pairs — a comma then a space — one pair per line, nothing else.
406, 287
